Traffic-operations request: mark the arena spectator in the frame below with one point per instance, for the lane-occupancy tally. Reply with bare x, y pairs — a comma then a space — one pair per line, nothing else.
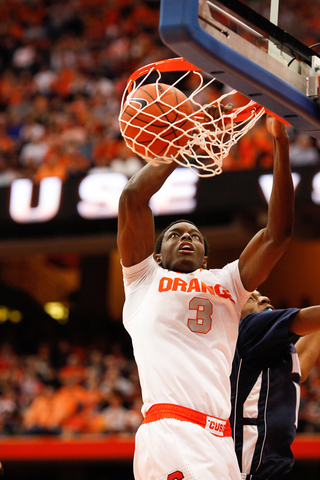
39, 417
10, 419
113, 380
33, 152
303, 150
114, 418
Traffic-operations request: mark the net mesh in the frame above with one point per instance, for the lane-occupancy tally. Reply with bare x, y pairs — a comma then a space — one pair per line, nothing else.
204, 139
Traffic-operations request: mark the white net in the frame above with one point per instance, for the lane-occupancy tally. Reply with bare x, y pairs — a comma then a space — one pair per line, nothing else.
195, 135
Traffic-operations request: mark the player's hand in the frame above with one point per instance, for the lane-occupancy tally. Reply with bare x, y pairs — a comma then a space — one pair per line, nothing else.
212, 117
276, 128
216, 111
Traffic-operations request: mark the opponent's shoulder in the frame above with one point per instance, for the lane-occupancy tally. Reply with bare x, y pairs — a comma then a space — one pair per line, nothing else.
265, 336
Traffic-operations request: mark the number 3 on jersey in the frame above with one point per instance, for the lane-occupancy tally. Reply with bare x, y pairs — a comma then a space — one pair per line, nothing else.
203, 321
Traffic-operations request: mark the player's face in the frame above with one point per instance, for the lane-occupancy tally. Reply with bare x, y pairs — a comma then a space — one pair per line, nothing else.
256, 303
182, 249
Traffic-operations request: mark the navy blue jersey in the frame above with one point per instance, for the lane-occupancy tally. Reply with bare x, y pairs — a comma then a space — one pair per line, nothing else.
265, 394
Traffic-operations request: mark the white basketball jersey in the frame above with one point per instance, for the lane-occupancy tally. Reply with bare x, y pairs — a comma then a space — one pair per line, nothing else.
184, 329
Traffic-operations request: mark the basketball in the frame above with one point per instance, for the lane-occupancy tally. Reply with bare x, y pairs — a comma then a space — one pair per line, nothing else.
153, 116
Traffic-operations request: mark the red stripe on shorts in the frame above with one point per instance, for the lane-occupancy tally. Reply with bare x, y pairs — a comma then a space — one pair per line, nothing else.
216, 426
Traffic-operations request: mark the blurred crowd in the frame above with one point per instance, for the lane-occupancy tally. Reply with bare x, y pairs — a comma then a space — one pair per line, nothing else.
73, 390
64, 65
67, 391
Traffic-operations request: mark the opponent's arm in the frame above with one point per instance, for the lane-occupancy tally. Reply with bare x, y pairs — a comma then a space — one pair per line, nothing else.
306, 321
269, 244
136, 235
308, 349
307, 324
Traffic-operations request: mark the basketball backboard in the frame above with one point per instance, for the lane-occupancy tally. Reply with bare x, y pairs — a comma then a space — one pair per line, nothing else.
244, 50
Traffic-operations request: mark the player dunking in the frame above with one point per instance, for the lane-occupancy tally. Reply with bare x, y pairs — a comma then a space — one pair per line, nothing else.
183, 320
265, 383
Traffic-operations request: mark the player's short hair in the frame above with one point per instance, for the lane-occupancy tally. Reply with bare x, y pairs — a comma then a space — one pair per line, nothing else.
159, 241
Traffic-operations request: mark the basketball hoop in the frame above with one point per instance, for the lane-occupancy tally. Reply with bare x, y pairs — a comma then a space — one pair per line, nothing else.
183, 130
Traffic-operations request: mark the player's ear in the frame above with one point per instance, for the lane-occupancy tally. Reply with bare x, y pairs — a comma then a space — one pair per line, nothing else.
205, 262
158, 259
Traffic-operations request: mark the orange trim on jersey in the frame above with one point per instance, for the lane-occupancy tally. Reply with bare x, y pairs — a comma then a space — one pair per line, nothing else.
216, 426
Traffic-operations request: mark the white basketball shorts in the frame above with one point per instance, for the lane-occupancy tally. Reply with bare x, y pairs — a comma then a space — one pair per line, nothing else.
171, 449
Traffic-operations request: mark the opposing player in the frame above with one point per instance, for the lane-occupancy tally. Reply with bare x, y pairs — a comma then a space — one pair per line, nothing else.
183, 320
265, 383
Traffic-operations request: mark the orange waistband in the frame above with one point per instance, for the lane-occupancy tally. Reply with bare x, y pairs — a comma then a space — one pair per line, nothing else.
216, 426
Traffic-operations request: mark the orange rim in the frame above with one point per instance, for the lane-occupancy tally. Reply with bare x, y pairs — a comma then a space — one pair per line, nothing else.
180, 64
169, 65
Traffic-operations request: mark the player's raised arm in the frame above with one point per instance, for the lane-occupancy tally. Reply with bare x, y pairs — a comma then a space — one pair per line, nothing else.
135, 219
268, 245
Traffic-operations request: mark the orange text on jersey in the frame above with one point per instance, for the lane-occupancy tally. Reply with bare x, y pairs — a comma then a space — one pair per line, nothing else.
175, 284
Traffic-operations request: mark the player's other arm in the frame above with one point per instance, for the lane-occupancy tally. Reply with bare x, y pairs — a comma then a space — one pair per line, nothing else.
136, 234
306, 321
269, 244
308, 349
307, 324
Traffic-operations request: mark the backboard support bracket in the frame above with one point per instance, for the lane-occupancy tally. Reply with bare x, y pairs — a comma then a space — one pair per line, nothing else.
190, 29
